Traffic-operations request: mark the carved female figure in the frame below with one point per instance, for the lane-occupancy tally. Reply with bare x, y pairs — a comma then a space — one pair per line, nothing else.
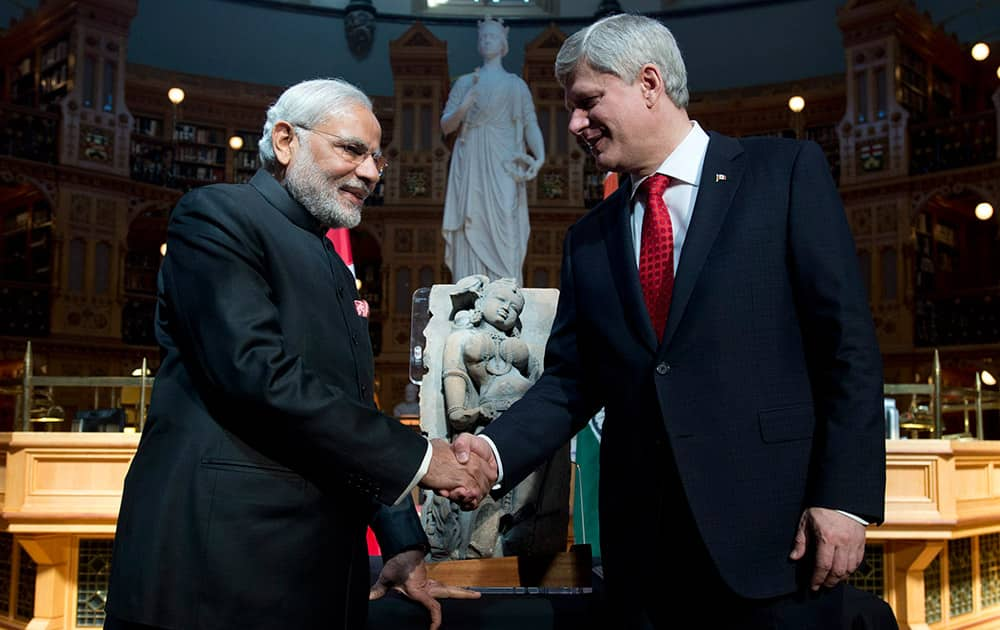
486, 365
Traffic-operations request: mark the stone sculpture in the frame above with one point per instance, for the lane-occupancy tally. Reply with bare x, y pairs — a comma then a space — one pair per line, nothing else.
484, 361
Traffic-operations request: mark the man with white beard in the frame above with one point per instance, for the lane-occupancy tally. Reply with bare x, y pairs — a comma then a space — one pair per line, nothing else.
264, 458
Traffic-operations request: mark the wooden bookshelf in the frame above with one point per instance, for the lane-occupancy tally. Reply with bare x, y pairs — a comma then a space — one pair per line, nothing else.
54, 78
912, 84
245, 160
151, 153
199, 154
26, 242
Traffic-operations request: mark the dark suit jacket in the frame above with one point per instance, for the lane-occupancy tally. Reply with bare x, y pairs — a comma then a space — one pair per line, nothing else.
768, 381
263, 457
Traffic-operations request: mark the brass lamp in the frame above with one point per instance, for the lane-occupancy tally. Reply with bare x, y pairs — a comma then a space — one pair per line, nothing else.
51, 418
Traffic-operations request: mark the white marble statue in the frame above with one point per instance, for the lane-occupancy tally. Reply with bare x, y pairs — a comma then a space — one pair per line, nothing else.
499, 147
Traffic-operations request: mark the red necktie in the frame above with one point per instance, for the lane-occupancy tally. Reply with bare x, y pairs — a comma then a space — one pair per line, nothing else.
656, 255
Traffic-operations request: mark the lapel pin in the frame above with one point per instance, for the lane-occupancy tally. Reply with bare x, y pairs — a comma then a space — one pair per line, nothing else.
720, 177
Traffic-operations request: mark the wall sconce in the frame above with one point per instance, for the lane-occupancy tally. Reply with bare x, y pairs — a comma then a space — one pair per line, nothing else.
796, 104
988, 378
235, 142
176, 95
984, 211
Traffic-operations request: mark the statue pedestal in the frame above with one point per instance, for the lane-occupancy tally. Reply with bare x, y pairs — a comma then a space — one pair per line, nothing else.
567, 570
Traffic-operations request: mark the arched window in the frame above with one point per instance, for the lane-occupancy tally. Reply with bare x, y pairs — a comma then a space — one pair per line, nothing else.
890, 287
426, 276
77, 264
404, 291
865, 262
102, 268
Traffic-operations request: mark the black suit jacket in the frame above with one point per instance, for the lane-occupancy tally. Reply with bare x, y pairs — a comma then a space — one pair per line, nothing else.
263, 456
768, 381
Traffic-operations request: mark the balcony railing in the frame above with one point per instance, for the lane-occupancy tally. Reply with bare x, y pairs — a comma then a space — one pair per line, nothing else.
29, 134
137, 321
24, 310
955, 321
953, 143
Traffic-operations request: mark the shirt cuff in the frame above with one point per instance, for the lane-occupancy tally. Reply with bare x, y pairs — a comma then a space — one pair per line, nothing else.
496, 456
855, 517
425, 465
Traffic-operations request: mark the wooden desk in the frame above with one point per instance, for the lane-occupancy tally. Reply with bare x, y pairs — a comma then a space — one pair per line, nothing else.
61, 487
937, 491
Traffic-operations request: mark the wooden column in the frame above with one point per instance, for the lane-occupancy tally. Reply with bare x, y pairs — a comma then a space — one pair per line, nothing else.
908, 560
52, 581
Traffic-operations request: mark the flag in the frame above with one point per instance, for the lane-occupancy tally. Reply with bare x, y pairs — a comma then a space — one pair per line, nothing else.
341, 239
610, 183
373, 547
587, 459
587, 465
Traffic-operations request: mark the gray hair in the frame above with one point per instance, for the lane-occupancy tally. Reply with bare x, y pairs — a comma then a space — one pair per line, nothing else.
308, 104
621, 45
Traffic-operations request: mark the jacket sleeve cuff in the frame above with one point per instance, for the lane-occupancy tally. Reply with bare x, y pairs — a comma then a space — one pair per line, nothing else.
425, 465
496, 456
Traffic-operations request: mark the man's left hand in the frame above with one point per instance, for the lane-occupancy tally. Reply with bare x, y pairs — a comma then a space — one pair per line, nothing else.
838, 543
407, 573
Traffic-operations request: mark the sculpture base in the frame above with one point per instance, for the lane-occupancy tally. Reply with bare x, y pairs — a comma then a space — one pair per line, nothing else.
568, 569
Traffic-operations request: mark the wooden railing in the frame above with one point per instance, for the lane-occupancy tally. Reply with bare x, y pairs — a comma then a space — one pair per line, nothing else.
141, 384
29, 133
953, 143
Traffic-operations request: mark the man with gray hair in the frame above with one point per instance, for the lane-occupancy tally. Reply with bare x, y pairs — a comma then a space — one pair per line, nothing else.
714, 307
264, 458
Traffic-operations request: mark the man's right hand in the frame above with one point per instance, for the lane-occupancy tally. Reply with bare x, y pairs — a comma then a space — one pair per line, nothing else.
467, 482
468, 448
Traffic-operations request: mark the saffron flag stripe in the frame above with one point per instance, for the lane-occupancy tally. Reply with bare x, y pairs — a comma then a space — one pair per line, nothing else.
341, 239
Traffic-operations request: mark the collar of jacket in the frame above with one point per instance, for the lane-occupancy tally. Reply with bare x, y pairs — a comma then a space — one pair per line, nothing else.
279, 197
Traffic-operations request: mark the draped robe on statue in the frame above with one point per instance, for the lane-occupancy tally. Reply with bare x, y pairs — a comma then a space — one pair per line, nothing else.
486, 209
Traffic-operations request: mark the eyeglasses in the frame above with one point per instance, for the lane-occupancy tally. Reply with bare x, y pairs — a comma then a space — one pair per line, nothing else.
351, 150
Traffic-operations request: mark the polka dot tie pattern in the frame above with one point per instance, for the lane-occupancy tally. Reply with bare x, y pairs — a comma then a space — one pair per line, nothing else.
656, 256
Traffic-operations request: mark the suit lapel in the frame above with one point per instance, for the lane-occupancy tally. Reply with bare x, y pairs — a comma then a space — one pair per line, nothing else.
621, 257
725, 157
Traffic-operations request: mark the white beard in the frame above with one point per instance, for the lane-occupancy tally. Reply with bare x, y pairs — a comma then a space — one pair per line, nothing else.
313, 189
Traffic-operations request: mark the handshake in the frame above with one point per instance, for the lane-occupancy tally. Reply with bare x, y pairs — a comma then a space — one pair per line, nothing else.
463, 471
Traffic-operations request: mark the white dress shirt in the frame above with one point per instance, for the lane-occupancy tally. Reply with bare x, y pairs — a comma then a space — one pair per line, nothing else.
683, 166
